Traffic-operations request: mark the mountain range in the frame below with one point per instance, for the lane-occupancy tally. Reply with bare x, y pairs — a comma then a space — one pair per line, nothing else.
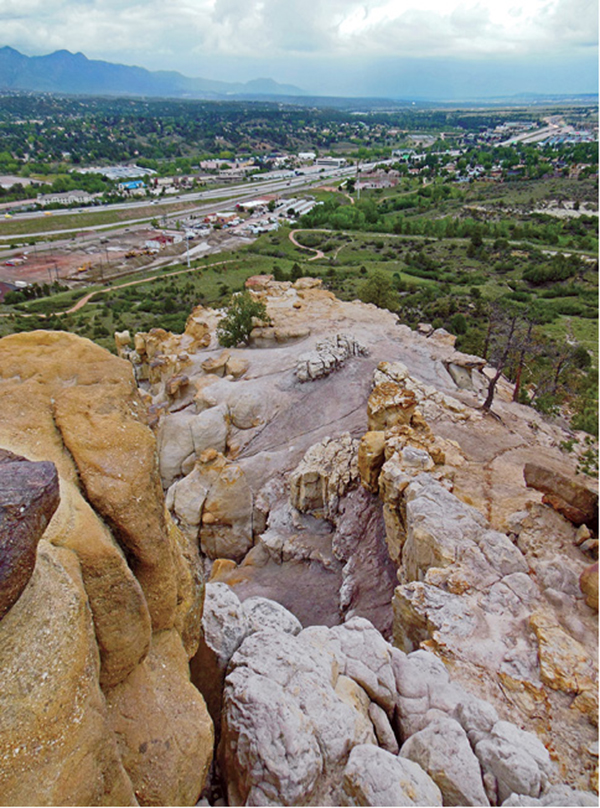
73, 73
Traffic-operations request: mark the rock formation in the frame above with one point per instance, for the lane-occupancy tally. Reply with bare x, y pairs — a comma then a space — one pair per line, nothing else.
392, 615
97, 707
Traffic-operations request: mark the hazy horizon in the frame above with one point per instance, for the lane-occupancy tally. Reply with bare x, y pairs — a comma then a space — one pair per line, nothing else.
429, 49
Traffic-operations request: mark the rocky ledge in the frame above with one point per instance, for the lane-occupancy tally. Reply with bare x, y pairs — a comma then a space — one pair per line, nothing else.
393, 616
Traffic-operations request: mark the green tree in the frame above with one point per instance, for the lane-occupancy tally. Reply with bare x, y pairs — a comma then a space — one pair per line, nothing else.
378, 289
237, 324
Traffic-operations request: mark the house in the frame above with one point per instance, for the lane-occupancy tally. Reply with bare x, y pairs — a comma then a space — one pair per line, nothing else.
330, 162
65, 198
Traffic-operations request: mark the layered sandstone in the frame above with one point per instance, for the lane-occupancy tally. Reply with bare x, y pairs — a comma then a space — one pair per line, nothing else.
105, 626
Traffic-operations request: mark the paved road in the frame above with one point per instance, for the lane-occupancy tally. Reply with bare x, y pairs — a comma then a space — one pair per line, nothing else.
223, 198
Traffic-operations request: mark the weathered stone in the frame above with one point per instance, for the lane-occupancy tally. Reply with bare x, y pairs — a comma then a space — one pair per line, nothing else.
176, 384
442, 749
443, 337
226, 526
371, 456
286, 732
383, 729
389, 405
329, 355
216, 364
262, 613
588, 581
197, 328
564, 662
560, 796
327, 471
576, 502
55, 741
518, 761
374, 776
162, 726
28, 498
236, 366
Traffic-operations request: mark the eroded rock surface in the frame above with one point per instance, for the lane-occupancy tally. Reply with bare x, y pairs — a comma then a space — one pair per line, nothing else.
95, 650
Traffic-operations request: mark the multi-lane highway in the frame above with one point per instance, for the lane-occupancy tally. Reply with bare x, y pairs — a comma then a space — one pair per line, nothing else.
208, 200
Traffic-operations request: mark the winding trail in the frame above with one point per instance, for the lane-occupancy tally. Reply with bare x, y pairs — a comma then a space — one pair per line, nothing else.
86, 298
317, 253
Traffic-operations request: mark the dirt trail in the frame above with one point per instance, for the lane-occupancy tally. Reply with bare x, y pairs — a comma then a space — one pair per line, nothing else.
318, 253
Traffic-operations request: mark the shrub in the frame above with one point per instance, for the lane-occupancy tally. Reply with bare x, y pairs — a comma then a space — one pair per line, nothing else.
237, 324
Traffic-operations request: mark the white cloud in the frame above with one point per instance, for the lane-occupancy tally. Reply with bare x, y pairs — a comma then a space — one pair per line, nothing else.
151, 31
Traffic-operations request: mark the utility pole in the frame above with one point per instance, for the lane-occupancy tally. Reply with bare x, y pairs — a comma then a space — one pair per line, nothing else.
357, 185
187, 242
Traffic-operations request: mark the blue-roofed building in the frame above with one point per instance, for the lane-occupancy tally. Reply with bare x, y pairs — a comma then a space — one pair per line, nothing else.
132, 186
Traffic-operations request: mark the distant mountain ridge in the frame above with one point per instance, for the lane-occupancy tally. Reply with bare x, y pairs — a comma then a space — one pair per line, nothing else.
73, 73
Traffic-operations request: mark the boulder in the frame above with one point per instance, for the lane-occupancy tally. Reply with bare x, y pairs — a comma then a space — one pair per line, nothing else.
389, 404
442, 749
216, 364
329, 355
517, 760
375, 777
28, 498
163, 730
55, 738
286, 733
576, 502
371, 456
588, 581
327, 471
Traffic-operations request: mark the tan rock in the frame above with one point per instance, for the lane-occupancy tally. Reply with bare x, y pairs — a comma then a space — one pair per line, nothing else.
176, 384
55, 741
389, 405
221, 568
202, 399
564, 663
226, 530
216, 364
588, 581
122, 632
236, 366
371, 456
258, 282
327, 471
122, 341
308, 283
198, 329
162, 726
576, 502
115, 457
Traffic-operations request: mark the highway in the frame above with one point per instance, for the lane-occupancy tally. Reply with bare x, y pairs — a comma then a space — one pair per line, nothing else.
223, 198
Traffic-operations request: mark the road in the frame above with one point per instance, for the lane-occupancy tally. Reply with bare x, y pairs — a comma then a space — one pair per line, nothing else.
223, 198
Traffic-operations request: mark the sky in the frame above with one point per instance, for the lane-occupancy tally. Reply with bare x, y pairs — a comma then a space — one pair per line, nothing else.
438, 49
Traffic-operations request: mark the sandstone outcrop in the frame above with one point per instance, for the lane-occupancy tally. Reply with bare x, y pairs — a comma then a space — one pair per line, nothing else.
329, 355
327, 471
297, 726
483, 564
574, 501
105, 626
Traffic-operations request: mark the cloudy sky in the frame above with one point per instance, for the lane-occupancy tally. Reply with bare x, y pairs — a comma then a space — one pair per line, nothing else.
397, 48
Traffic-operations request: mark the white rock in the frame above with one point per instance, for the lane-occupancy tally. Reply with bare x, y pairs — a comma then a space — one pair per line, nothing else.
263, 613
375, 777
517, 759
443, 750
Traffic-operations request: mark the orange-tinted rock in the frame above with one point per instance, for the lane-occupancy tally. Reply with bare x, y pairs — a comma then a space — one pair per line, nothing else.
588, 581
